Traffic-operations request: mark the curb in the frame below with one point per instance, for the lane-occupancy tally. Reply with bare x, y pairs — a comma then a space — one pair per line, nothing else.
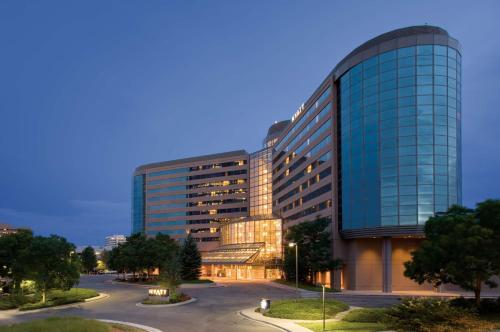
263, 322
139, 326
191, 300
201, 286
96, 298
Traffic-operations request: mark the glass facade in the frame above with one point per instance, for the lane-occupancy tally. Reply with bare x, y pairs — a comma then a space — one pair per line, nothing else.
261, 182
267, 231
138, 204
400, 137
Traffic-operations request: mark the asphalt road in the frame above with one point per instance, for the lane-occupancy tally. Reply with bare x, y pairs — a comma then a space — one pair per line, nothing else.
215, 310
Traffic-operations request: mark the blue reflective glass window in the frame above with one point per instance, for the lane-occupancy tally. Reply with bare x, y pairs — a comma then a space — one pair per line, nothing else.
406, 51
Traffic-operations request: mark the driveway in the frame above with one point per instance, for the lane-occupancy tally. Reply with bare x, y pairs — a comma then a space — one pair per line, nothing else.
215, 310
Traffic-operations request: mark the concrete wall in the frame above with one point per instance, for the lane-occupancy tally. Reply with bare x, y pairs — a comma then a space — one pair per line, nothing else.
364, 265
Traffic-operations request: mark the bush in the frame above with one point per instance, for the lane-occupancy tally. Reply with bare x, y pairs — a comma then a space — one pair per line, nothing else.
13, 301
59, 297
433, 315
366, 315
488, 306
179, 298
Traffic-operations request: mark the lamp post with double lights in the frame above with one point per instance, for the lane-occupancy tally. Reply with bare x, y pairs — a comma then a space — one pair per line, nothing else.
291, 245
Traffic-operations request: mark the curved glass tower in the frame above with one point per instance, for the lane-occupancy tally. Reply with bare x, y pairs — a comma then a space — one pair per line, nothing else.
400, 133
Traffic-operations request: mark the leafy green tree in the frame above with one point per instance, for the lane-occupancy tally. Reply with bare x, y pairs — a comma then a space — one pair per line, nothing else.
170, 274
53, 264
89, 259
190, 260
117, 260
314, 250
134, 251
166, 248
457, 249
105, 258
488, 215
14, 261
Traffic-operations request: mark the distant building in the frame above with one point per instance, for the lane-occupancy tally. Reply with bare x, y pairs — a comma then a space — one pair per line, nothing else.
113, 241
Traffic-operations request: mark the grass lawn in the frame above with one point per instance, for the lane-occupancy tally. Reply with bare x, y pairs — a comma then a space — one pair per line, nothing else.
68, 324
305, 309
360, 320
54, 298
305, 286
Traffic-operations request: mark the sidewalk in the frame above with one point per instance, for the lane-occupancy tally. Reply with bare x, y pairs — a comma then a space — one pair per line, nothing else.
312, 294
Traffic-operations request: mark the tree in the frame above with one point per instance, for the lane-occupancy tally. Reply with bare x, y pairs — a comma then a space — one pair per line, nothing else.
488, 215
53, 264
314, 250
169, 264
105, 258
13, 256
117, 259
166, 249
134, 253
457, 249
89, 259
190, 260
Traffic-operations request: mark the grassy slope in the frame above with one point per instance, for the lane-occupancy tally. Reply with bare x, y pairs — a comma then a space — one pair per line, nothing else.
68, 324
360, 320
305, 309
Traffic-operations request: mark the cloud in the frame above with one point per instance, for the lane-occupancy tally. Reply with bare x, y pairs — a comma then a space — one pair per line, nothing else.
89, 222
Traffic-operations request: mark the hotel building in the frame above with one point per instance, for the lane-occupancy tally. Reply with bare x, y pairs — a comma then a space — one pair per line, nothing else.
376, 149
191, 196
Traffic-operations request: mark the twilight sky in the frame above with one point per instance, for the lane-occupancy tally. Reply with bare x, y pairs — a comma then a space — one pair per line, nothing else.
91, 89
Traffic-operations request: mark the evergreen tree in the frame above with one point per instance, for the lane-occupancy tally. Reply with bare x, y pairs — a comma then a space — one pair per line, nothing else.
190, 260
89, 259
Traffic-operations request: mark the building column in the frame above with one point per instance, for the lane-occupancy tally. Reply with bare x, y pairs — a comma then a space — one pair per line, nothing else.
386, 265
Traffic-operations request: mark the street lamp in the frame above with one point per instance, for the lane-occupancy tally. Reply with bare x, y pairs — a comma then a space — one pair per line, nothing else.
291, 245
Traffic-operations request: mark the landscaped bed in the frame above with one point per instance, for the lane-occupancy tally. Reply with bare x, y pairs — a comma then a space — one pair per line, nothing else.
308, 287
68, 324
54, 298
307, 309
173, 299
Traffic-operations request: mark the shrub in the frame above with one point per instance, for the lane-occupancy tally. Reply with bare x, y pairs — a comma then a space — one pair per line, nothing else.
432, 315
487, 306
14, 301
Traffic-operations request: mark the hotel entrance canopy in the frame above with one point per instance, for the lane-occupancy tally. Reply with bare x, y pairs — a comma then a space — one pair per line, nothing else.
244, 253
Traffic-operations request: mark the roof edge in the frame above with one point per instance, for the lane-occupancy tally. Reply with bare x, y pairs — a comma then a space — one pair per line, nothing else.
234, 153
